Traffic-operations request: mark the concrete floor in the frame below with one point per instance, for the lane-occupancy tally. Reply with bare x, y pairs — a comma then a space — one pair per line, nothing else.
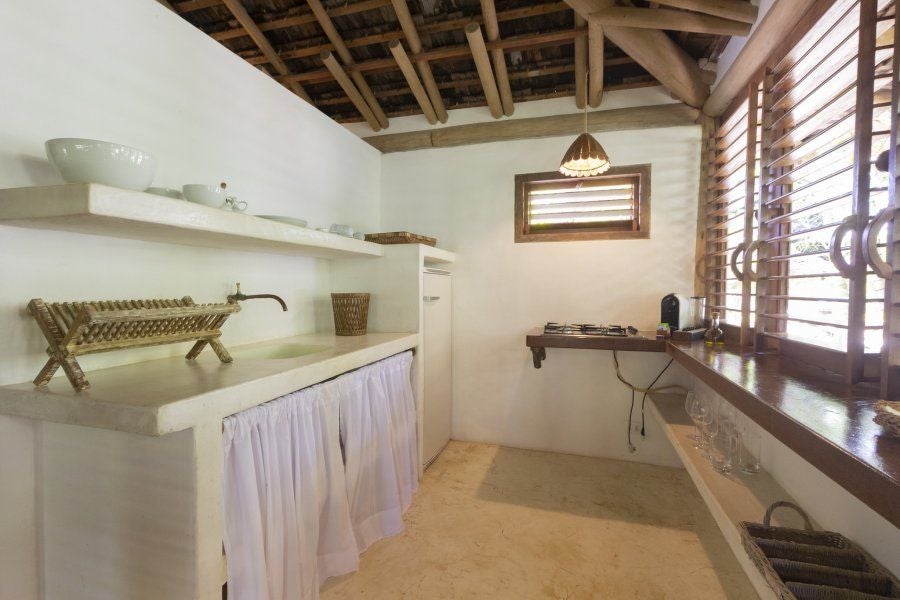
500, 523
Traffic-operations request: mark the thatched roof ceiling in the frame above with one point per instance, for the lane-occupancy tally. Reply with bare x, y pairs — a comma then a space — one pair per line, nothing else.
538, 38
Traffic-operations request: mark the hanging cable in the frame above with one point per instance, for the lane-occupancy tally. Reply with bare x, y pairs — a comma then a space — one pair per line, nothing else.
646, 391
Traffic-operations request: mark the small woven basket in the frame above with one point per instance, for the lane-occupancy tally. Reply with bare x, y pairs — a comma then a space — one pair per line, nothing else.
814, 565
351, 313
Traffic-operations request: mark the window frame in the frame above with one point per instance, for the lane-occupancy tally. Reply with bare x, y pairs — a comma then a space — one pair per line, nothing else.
569, 233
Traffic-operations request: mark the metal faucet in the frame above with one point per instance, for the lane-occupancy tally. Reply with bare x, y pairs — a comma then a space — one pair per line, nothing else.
233, 298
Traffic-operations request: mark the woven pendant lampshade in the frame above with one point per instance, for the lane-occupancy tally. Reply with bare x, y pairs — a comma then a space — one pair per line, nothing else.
584, 158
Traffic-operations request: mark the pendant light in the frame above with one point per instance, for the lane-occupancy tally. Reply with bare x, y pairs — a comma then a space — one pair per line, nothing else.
585, 157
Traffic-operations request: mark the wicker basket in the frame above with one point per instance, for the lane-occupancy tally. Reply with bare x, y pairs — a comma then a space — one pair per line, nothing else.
351, 313
400, 237
814, 565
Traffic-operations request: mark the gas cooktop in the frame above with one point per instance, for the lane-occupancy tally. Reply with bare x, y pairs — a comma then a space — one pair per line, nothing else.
588, 329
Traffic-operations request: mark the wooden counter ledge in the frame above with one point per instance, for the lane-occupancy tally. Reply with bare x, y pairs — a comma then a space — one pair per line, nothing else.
812, 411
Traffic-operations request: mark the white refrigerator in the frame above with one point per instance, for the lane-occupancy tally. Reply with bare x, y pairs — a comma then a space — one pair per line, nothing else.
437, 404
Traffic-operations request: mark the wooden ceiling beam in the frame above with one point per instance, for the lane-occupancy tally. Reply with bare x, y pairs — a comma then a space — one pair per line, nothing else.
774, 28
581, 65
259, 38
415, 45
415, 86
671, 20
596, 63
498, 57
656, 52
341, 48
467, 80
195, 5
483, 65
736, 10
301, 19
355, 41
350, 89
523, 42
620, 119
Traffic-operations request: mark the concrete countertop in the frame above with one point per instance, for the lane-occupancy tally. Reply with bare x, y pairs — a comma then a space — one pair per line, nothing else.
166, 395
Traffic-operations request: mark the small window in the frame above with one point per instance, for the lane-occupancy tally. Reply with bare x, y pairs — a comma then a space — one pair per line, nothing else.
551, 207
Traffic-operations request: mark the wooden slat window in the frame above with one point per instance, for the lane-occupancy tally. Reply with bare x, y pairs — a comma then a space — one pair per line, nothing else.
822, 117
731, 192
552, 207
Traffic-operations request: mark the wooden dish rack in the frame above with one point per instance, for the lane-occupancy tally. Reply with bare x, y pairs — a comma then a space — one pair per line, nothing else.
77, 328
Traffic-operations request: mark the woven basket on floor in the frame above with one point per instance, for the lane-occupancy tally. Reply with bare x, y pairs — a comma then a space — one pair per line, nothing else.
351, 313
814, 565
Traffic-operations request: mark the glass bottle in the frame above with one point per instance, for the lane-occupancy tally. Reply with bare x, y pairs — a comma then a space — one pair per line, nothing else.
714, 336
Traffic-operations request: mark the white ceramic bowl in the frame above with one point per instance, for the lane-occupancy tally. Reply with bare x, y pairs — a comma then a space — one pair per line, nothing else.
93, 161
210, 195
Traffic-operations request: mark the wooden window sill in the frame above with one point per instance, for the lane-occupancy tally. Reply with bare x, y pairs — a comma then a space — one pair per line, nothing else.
810, 410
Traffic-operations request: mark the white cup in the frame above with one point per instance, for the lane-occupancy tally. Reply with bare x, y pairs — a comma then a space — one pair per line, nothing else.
208, 195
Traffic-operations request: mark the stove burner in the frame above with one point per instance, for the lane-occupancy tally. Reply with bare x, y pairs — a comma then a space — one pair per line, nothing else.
589, 329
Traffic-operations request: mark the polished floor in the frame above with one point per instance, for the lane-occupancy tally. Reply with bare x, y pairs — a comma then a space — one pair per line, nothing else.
498, 523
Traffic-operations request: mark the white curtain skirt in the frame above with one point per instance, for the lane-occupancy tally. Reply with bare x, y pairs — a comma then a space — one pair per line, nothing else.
297, 509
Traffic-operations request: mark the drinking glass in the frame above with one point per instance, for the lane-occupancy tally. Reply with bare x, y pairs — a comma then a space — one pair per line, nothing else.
691, 407
701, 416
724, 449
751, 444
709, 428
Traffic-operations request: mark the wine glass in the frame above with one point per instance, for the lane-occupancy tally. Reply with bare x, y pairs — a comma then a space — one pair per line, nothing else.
709, 428
690, 406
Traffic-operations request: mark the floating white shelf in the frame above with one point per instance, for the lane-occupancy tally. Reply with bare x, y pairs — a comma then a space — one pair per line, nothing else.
432, 255
103, 210
731, 498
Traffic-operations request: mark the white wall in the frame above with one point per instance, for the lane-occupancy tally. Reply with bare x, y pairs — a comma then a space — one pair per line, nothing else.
464, 197
133, 72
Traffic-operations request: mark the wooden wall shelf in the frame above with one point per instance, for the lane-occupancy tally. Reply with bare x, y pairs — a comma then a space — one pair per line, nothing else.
538, 342
102, 210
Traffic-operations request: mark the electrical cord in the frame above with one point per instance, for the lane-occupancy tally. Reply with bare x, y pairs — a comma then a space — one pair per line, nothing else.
631, 447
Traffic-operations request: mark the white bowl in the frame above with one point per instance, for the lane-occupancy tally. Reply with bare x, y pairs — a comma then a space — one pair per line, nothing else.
93, 161
210, 195
167, 192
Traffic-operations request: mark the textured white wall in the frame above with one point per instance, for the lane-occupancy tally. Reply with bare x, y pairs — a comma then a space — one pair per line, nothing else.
464, 197
133, 72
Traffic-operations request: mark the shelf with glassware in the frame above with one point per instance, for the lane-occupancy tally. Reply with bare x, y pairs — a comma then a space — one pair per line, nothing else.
733, 486
104, 210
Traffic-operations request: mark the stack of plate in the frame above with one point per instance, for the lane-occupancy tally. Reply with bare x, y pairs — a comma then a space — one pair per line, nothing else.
888, 416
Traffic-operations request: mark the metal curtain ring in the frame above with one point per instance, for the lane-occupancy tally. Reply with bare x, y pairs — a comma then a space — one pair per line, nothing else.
870, 233
849, 225
734, 255
755, 246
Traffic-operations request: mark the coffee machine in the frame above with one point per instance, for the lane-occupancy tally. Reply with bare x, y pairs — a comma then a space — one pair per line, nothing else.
681, 312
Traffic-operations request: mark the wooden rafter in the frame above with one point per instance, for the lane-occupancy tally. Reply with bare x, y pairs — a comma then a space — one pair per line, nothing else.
483, 65
193, 5
240, 13
418, 90
596, 63
656, 52
522, 42
492, 29
468, 80
350, 89
736, 10
415, 46
357, 40
347, 58
581, 65
674, 20
302, 19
